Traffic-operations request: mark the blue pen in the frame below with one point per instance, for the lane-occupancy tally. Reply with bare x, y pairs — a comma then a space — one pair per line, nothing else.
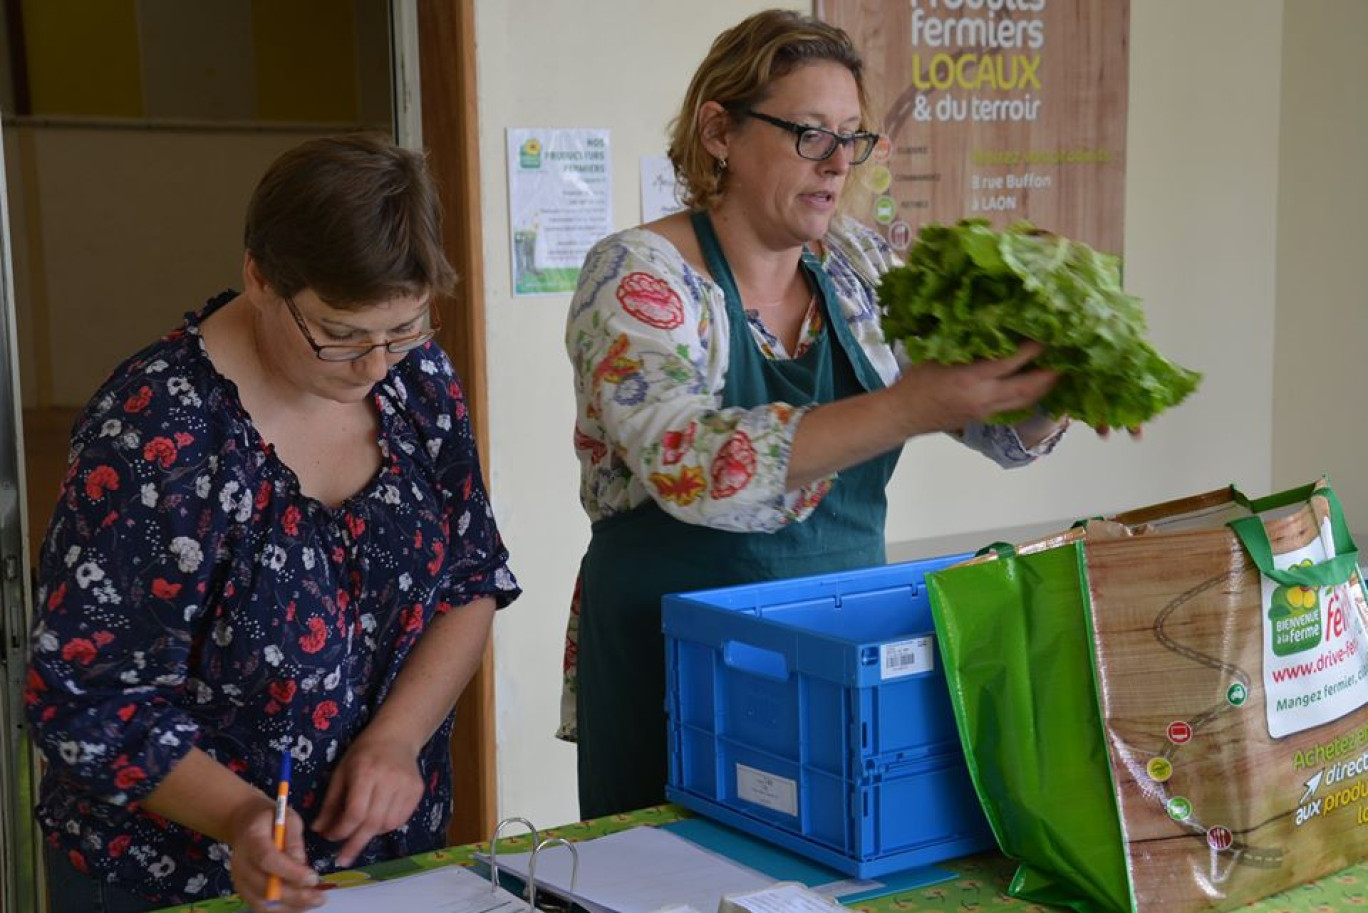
282, 803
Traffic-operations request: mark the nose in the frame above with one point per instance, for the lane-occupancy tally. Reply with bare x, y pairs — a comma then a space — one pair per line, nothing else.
374, 365
839, 161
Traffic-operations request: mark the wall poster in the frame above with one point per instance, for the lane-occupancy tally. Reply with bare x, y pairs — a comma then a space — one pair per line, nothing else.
1002, 109
559, 202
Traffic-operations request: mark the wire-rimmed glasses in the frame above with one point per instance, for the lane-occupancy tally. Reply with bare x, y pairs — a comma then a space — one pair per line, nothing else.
401, 346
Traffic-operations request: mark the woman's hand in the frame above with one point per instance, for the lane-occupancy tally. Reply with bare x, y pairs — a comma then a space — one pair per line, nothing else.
375, 789
377, 786
251, 834
949, 397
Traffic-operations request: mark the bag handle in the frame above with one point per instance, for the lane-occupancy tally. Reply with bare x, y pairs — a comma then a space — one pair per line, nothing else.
1254, 537
1001, 549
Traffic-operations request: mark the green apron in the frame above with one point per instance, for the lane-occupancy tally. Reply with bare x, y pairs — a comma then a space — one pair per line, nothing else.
636, 557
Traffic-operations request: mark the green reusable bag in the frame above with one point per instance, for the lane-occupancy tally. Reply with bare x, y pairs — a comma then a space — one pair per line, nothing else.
1167, 711
1013, 637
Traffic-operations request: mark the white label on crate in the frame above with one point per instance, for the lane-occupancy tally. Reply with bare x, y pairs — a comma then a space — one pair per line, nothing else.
907, 657
777, 793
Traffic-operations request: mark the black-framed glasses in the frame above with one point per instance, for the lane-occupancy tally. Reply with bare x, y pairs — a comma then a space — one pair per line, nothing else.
818, 143
400, 346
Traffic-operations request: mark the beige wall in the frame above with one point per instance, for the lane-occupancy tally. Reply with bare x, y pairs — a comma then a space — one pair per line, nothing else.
1320, 396
569, 63
1201, 229
118, 232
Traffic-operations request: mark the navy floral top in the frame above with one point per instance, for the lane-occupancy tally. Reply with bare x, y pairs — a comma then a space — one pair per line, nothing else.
191, 595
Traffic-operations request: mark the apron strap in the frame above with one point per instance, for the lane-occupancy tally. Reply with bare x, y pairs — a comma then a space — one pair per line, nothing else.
716, 262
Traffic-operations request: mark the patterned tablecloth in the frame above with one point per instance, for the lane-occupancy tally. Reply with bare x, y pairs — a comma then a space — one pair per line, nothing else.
979, 888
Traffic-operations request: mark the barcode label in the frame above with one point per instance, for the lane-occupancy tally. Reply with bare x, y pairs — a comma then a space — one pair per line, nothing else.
907, 657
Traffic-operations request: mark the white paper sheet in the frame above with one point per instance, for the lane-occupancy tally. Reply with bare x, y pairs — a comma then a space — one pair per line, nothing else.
659, 194
784, 898
637, 871
453, 889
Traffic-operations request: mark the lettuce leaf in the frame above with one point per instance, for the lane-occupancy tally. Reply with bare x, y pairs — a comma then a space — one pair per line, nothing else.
969, 292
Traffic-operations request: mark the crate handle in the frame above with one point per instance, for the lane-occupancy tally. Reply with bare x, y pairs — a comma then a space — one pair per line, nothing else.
755, 660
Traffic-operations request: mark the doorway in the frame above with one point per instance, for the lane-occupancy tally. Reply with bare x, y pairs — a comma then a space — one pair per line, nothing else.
134, 132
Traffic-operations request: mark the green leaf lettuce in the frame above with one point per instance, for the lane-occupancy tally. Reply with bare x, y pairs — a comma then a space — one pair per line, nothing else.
969, 292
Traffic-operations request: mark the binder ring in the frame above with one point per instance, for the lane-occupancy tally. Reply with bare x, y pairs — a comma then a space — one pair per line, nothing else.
494, 848
532, 868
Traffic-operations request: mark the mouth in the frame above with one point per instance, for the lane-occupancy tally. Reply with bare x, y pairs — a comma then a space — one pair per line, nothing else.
820, 198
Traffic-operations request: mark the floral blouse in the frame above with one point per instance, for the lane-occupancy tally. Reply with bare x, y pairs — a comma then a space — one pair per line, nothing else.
648, 341
191, 596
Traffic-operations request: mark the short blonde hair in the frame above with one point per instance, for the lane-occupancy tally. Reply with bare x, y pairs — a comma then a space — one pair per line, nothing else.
742, 64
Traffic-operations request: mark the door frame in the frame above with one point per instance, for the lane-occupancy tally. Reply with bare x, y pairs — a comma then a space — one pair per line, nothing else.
445, 48
20, 841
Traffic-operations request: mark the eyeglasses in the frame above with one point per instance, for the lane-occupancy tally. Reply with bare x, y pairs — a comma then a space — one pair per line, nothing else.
819, 144
400, 346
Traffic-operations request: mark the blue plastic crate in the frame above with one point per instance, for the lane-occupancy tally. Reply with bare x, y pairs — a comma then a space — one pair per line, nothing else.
813, 713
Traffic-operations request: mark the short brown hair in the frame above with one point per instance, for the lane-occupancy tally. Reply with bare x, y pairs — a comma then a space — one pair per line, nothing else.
355, 218
742, 64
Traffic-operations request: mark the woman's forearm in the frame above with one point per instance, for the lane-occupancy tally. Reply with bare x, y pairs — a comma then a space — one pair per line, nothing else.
435, 674
845, 433
928, 397
203, 795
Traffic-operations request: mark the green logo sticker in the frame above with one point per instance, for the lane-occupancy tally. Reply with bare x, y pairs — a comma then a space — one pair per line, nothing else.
1237, 694
1296, 618
884, 210
530, 153
1178, 808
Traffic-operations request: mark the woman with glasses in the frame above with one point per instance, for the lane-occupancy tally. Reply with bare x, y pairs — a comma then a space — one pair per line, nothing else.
739, 413
272, 540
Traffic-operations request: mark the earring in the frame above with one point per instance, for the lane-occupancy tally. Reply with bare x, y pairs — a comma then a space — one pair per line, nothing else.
722, 163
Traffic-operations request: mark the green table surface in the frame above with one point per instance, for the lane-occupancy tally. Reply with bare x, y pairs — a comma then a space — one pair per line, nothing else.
980, 887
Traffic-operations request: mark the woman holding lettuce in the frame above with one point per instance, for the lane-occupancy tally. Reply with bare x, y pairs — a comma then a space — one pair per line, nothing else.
739, 412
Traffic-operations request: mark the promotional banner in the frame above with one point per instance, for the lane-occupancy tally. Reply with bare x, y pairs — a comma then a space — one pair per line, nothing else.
1001, 109
560, 204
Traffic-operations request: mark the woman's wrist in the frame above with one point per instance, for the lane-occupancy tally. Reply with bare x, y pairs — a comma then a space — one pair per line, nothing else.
1039, 429
389, 730
247, 810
